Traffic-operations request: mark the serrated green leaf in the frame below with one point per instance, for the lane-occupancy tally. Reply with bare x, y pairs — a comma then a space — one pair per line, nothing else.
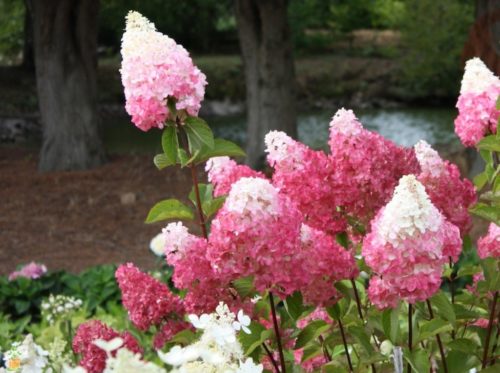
169, 209
198, 133
444, 307
161, 161
221, 148
170, 144
312, 331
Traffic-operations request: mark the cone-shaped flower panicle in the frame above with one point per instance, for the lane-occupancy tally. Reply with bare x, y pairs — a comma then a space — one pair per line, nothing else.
409, 242
367, 166
224, 172
489, 245
451, 194
477, 113
93, 357
257, 233
155, 68
304, 176
147, 300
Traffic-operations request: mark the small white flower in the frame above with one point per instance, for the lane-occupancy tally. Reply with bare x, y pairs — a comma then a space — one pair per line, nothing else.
157, 244
178, 355
242, 323
109, 346
199, 322
250, 367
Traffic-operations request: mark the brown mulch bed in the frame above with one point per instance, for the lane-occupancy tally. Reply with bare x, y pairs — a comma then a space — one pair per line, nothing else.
73, 220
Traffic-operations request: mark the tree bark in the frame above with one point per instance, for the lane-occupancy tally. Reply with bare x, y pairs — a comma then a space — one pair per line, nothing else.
65, 35
266, 48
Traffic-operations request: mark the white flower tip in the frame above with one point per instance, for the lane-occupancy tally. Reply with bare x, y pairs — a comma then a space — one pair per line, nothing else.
477, 77
346, 122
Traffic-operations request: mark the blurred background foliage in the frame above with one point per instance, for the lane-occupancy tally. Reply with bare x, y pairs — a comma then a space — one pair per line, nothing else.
430, 34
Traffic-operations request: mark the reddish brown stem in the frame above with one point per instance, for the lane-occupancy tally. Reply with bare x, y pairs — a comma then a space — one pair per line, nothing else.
490, 327
410, 332
344, 340
277, 331
271, 357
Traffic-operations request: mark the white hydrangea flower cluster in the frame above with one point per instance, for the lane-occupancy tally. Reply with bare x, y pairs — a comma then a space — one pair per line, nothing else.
216, 163
59, 307
218, 349
27, 357
477, 77
253, 196
410, 211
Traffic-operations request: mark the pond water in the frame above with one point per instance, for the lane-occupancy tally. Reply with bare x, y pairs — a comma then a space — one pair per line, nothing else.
403, 126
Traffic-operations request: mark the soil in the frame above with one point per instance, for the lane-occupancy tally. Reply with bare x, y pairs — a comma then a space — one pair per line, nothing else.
73, 220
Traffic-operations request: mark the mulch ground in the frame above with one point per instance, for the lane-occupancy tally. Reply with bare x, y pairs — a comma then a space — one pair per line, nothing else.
73, 220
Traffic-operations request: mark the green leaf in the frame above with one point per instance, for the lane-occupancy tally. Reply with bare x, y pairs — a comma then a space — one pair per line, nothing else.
169, 209
221, 148
170, 144
463, 345
486, 212
244, 286
161, 161
480, 180
444, 306
468, 270
311, 350
294, 304
257, 337
490, 143
418, 360
183, 157
212, 206
390, 324
491, 274
198, 133
342, 239
184, 337
206, 193
360, 335
312, 331
459, 362
433, 327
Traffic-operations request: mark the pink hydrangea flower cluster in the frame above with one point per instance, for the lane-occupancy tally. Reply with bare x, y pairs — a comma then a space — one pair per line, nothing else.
223, 172
305, 176
147, 300
489, 245
31, 270
451, 194
409, 242
94, 358
258, 232
367, 166
155, 68
193, 271
477, 113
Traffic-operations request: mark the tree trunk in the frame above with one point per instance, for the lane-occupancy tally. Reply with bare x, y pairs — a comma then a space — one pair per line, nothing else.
28, 49
66, 70
266, 49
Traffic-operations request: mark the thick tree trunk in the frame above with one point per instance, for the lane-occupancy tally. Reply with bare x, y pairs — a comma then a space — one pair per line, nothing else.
66, 69
266, 49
